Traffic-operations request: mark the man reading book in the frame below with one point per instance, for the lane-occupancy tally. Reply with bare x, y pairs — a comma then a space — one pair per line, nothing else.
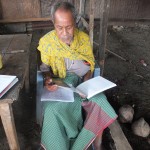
66, 52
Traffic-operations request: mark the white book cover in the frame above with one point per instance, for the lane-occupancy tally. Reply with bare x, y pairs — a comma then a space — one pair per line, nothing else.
5, 80
62, 94
94, 86
8, 87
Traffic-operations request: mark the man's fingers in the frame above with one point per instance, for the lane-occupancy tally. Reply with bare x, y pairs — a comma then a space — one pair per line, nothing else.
82, 95
48, 81
52, 87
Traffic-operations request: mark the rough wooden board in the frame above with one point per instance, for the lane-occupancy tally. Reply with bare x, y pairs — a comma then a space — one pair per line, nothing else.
13, 64
20, 9
5, 41
16, 64
20, 41
118, 136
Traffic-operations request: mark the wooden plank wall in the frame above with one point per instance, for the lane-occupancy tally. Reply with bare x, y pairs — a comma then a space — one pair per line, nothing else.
124, 9
119, 9
20, 9
46, 6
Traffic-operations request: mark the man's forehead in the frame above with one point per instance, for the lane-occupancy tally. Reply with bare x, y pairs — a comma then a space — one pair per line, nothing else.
62, 14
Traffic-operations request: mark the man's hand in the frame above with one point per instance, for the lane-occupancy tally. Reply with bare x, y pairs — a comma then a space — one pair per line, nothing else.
88, 76
50, 85
82, 95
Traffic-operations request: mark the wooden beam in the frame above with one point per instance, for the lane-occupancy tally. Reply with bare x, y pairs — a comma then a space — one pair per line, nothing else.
91, 21
85, 24
24, 20
82, 7
103, 32
80, 20
121, 143
111, 52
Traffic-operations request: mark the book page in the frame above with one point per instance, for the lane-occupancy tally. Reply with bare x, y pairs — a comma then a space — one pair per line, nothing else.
62, 94
5, 80
94, 86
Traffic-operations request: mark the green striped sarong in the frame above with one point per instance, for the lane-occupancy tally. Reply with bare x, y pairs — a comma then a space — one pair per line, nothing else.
63, 126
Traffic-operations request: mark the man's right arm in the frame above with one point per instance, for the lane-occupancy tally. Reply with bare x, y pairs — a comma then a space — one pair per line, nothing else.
47, 77
46, 71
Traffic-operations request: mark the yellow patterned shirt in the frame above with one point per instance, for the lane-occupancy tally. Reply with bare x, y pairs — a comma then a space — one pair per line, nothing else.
53, 51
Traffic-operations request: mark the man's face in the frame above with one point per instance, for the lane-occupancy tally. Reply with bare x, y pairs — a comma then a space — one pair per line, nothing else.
64, 25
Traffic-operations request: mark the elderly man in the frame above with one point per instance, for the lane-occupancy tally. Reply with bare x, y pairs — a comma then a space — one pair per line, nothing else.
66, 52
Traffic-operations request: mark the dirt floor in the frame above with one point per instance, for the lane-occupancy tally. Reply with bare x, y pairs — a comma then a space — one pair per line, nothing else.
131, 75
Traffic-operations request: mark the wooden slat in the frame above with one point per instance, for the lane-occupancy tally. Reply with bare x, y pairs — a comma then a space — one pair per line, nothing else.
24, 20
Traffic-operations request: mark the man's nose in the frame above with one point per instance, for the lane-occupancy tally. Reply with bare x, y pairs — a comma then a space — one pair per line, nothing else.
64, 32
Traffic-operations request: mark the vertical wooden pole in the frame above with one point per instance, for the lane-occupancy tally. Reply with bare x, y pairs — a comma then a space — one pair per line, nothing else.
103, 32
9, 125
91, 20
27, 78
27, 72
82, 7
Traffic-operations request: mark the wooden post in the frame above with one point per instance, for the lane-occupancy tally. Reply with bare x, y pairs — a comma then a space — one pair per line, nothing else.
82, 7
91, 20
103, 32
27, 72
9, 125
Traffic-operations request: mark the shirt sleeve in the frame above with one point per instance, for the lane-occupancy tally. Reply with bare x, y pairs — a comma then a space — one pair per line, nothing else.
45, 59
43, 48
44, 68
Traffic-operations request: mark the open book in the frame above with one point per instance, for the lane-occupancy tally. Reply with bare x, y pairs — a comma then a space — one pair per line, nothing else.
6, 82
62, 94
86, 89
94, 86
